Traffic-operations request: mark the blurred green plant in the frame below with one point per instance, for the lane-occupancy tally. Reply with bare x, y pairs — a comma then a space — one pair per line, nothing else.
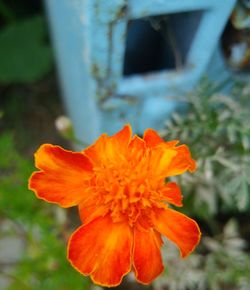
222, 264
217, 129
43, 230
24, 54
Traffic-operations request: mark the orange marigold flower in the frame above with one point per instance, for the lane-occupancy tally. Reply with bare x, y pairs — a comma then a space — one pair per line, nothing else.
119, 185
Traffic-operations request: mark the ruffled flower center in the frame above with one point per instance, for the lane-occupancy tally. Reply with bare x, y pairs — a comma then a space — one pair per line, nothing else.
128, 191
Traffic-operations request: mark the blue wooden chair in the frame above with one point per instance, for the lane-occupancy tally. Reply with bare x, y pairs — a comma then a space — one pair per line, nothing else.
111, 68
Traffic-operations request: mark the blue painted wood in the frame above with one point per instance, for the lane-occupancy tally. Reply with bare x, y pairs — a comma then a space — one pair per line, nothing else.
142, 8
89, 38
70, 26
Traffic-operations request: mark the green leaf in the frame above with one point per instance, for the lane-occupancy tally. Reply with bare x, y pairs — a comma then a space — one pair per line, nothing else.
24, 54
243, 196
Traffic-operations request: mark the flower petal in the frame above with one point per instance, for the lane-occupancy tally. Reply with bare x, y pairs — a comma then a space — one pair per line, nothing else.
89, 210
108, 149
172, 194
181, 162
137, 145
103, 250
147, 256
160, 159
64, 175
152, 138
136, 153
178, 228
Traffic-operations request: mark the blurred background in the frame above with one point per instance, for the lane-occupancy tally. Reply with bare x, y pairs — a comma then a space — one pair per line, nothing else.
38, 100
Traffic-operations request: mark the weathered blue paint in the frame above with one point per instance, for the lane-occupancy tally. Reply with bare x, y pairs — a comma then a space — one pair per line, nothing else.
89, 38
70, 28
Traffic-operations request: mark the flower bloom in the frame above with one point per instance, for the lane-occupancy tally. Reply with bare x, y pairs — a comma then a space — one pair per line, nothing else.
119, 185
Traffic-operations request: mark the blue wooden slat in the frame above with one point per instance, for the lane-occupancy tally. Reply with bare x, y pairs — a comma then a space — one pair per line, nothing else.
208, 33
89, 38
143, 8
70, 25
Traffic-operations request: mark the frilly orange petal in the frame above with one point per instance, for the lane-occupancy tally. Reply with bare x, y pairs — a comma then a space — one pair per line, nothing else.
178, 228
137, 144
152, 138
147, 259
136, 150
172, 194
160, 159
123, 136
109, 148
170, 163
88, 210
181, 162
103, 250
64, 175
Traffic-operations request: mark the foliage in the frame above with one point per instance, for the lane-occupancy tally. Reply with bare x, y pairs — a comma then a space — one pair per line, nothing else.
24, 54
217, 129
42, 229
222, 264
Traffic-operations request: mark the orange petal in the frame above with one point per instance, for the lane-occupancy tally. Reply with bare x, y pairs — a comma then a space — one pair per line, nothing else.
137, 144
178, 228
147, 256
181, 162
172, 143
136, 150
152, 138
169, 163
64, 175
160, 159
108, 149
103, 250
172, 194
88, 210
123, 136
